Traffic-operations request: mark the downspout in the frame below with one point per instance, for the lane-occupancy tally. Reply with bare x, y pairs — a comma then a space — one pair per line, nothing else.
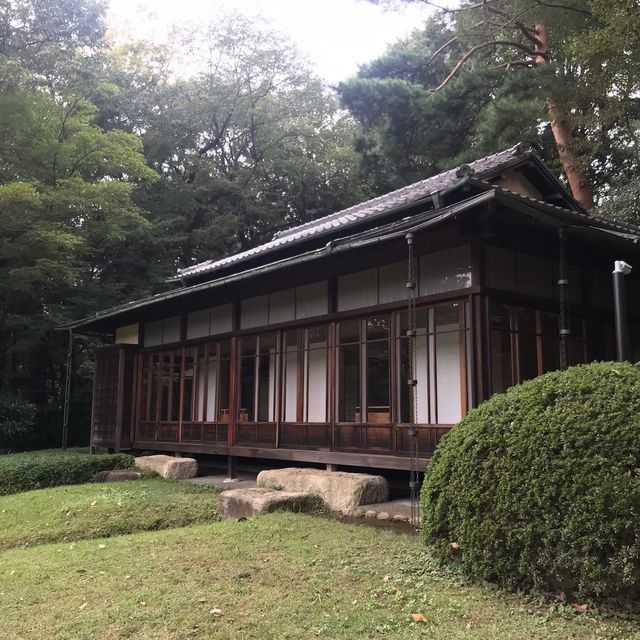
563, 286
67, 392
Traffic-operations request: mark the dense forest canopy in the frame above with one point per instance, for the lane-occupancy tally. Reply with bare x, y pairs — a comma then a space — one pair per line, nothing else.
121, 162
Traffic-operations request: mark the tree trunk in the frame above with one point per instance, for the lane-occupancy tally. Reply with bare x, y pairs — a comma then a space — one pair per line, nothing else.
578, 181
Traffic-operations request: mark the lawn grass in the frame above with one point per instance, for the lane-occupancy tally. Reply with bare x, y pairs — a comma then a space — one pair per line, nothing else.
83, 511
281, 576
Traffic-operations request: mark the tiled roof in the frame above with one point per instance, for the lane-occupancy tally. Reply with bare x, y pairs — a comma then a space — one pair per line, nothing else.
370, 209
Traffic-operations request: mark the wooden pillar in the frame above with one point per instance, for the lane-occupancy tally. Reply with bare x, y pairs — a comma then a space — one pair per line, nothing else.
232, 468
233, 392
120, 401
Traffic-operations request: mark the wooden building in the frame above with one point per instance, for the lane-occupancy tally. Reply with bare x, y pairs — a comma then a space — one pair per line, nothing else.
298, 350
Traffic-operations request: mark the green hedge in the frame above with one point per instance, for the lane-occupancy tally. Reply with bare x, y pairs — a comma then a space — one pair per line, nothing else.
539, 487
39, 469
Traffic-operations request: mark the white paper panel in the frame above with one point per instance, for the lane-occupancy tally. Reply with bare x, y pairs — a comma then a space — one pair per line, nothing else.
254, 312
316, 409
392, 282
444, 271
153, 333
312, 300
198, 324
448, 378
356, 290
221, 319
282, 306
212, 384
290, 385
127, 335
171, 330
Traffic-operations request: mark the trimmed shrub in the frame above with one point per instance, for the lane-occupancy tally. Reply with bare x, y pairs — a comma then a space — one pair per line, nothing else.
539, 487
17, 421
39, 469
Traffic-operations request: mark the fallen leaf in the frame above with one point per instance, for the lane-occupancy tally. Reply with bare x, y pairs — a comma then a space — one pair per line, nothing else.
83, 605
418, 617
216, 612
561, 597
594, 622
202, 600
580, 608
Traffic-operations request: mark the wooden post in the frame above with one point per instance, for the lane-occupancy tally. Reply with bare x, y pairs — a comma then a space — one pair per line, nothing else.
232, 468
120, 400
233, 392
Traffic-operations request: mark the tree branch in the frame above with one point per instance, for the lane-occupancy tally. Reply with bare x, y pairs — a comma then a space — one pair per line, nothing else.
566, 7
441, 49
531, 33
515, 63
484, 45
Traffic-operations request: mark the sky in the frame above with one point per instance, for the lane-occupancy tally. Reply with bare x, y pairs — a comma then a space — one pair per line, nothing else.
335, 35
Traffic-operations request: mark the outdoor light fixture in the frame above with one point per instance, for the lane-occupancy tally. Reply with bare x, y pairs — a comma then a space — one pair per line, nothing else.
620, 270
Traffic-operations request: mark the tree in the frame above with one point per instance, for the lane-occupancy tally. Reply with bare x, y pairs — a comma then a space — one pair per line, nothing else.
410, 131
65, 194
561, 56
248, 144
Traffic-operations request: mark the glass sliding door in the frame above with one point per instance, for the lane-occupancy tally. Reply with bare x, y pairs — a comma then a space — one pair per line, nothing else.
349, 365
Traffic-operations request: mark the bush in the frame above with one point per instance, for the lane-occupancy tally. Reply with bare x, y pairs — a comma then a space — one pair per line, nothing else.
17, 421
39, 469
540, 486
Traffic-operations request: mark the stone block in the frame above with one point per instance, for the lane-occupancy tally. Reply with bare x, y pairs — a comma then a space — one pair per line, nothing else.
341, 491
117, 475
243, 503
169, 467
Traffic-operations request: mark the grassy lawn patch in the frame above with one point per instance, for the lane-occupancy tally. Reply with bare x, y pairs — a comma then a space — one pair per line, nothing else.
279, 576
53, 467
100, 510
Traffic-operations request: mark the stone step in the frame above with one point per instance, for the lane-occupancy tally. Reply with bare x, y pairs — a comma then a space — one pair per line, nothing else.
341, 491
169, 466
244, 503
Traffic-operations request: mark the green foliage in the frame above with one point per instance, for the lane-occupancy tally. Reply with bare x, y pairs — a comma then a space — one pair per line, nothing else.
540, 486
39, 469
17, 421
410, 130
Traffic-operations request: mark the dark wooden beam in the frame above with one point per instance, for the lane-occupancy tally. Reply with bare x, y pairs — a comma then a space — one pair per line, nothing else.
293, 455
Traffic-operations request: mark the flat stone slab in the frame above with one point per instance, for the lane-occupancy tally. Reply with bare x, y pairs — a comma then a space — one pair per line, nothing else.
243, 503
341, 491
169, 467
117, 475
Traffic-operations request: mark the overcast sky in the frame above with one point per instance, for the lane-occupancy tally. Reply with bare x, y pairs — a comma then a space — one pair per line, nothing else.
336, 35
